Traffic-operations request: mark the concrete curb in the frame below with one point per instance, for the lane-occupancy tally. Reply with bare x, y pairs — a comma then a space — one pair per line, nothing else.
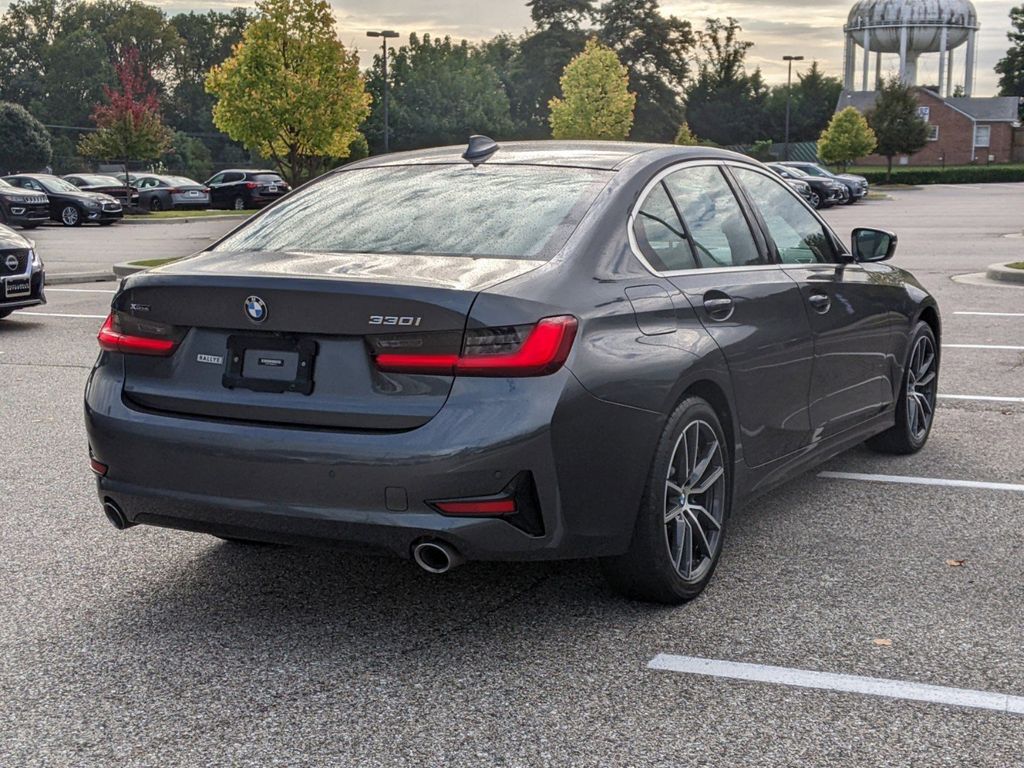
126, 268
1005, 274
188, 219
80, 277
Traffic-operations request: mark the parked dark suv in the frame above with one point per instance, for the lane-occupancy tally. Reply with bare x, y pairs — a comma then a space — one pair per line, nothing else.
23, 208
239, 189
857, 185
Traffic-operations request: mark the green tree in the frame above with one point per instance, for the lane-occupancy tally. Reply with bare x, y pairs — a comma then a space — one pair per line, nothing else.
656, 51
441, 93
206, 40
1011, 67
725, 104
128, 126
813, 101
188, 156
897, 126
24, 142
596, 101
685, 137
847, 137
291, 91
76, 72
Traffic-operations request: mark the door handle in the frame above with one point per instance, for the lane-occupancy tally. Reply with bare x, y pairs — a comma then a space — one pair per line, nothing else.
820, 302
718, 305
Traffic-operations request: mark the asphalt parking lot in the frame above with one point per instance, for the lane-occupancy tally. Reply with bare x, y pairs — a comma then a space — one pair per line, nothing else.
159, 648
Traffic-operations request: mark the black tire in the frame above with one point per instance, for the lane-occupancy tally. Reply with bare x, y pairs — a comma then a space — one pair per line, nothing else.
917, 397
238, 203
155, 204
71, 216
650, 570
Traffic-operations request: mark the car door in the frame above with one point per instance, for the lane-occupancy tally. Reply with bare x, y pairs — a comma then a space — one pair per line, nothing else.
216, 194
750, 307
843, 302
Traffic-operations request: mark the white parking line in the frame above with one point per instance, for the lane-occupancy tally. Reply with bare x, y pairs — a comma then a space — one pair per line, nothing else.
905, 480
983, 398
830, 681
78, 290
57, 314
992, 314
982, 346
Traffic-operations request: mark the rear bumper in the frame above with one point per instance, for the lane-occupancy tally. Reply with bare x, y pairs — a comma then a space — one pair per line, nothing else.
588, 461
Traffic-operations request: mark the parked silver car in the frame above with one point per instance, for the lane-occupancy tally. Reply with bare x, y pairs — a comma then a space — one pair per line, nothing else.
165, 193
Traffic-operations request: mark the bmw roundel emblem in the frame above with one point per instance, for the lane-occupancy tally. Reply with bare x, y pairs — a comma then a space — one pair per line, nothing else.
256, 309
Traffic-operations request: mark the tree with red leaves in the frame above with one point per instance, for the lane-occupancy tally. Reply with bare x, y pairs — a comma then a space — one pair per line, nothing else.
128, 126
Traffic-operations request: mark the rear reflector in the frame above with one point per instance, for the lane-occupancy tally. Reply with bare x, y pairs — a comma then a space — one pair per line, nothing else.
477, 507
112, 339
98, 467
501, 352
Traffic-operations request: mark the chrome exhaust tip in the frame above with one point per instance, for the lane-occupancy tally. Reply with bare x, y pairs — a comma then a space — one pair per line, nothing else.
116, 515
436, 556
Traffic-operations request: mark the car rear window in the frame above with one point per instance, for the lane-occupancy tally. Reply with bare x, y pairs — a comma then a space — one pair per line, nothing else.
272, 177
503, 211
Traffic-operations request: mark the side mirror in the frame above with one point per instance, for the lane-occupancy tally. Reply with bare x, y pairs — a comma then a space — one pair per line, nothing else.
873, 244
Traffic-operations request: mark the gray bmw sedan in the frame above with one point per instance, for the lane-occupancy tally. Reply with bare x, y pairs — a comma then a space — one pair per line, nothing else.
529, 351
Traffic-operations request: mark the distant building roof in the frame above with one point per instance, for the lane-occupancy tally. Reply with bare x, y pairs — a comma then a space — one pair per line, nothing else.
992, 109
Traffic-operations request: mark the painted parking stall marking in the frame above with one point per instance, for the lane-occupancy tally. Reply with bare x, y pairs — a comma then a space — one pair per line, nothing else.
991, 314
984, 346
983, 398
25, 313
830, 681
905, 480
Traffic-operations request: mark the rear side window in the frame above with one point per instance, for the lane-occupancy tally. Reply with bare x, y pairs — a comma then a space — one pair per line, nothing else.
503, 211
798, 235
659, 234
713, 217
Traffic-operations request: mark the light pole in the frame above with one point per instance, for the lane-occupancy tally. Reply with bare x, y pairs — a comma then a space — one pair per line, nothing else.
789, 93
387, 34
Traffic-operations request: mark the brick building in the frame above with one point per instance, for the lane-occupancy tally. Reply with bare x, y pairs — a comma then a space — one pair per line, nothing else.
962, 130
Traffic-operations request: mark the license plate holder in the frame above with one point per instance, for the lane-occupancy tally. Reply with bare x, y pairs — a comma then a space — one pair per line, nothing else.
270, 364
17, 287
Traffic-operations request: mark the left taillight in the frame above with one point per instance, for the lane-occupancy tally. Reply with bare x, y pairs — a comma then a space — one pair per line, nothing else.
511, 351
134, 337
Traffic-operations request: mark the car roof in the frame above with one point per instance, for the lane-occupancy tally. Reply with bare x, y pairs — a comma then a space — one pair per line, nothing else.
598, 155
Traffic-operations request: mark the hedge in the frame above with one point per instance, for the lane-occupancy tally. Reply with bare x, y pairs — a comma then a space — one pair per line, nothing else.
960, 174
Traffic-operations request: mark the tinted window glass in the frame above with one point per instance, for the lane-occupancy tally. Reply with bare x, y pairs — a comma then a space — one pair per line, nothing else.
713, 218
216, 179
271, 177
799, 236
659, 234
493, 210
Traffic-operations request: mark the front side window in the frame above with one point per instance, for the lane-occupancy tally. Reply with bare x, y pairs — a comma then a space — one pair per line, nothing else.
502, 211
713, 218
216, 179
798, 235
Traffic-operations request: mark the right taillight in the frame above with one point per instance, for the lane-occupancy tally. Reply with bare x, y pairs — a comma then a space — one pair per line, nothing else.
121, 334
512, 351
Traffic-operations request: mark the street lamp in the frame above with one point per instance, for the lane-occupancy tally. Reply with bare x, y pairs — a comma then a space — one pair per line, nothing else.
387, 34
789, 93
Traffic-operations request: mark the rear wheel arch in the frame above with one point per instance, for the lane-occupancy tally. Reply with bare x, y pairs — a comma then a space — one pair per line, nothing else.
713, 392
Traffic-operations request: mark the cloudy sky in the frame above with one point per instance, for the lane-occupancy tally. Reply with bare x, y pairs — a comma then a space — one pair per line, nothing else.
812, 28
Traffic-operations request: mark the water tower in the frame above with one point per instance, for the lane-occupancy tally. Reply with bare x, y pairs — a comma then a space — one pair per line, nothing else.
910, 28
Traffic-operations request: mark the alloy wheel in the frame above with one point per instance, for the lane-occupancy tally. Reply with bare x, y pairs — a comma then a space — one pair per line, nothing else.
815, 200
921, 380
69, 216
239, 204
695, 501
